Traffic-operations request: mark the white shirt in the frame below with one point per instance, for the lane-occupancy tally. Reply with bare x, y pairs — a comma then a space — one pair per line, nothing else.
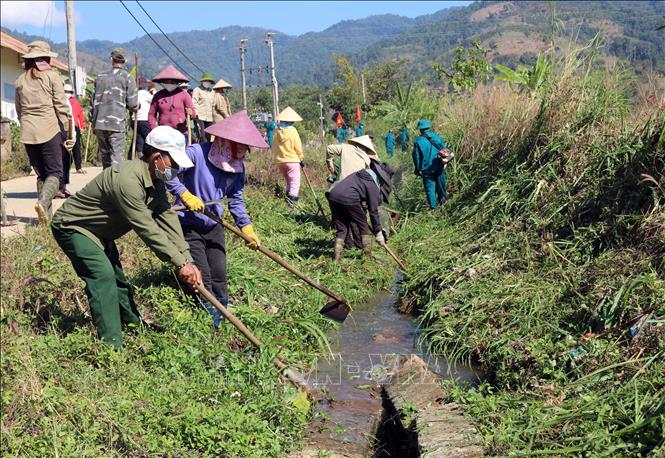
145, 98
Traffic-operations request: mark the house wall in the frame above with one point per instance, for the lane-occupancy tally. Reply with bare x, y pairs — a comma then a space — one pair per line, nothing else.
10, 69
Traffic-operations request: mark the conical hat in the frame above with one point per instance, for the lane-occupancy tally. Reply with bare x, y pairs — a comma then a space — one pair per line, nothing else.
170, 73
288, 114
365, 141
238, 128
221, 84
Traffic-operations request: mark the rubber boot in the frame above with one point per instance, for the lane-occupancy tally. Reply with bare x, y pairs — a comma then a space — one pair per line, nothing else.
292, 202
44, 202
339, 247
367, 245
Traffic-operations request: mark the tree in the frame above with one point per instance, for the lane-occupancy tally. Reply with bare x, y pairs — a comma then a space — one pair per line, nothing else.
346, 92
471, 67
381, 81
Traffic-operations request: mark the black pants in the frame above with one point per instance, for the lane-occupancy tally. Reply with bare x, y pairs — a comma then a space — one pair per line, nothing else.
203, 137
345, 215
66, 165
76, 152
209, 252
142, 131
46, 158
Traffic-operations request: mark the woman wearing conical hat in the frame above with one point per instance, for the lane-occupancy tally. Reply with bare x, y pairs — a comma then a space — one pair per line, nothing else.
287, 150
218, 172
221, 108
171, 105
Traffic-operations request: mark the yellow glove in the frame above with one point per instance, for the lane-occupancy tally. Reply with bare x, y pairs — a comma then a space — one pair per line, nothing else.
249, 232
192, 202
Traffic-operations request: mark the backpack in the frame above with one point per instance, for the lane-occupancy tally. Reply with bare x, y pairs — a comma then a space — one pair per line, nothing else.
445, 155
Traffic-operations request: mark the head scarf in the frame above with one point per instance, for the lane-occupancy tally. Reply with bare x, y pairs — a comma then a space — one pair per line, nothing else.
221, 155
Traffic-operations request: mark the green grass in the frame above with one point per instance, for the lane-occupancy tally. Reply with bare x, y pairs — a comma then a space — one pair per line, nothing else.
185, 392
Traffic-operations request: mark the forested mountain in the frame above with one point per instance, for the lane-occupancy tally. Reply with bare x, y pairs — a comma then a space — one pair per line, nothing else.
515, 31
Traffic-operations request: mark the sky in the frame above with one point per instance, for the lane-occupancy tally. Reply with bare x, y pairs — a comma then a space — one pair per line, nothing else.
108, 20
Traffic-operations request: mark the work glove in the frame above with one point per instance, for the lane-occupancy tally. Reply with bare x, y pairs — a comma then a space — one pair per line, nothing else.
249, 232
380, 239
192, 202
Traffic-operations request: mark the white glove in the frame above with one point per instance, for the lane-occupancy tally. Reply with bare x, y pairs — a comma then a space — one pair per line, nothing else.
380, 239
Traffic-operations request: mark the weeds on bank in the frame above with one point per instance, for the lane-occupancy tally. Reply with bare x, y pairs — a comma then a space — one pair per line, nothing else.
547, 264
183, 392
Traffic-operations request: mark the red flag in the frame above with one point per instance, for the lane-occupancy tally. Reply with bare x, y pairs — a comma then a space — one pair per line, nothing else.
358, 116
339, 121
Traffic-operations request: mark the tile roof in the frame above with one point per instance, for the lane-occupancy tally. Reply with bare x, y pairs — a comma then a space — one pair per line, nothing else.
7, 41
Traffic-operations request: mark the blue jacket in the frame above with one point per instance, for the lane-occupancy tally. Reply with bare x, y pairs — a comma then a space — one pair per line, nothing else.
270, 131
404, 136
390, 142
425, 154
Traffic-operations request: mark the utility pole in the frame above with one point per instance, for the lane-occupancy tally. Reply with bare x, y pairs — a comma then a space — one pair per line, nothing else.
71, 43
362, 82
243, 50
323, 132
275, 90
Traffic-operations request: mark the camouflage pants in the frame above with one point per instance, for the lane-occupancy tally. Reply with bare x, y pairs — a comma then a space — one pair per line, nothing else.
111, 147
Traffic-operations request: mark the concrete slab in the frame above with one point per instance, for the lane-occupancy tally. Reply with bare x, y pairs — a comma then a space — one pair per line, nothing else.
21, 194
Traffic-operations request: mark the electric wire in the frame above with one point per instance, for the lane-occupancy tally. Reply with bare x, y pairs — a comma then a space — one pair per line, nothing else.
169, 40
156, 43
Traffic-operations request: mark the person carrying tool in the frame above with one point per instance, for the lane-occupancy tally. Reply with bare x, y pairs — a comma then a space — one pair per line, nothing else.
221, 107
218, 172
370, 186
287, 150
79, 126
203, 98
142, 125
113, 94
44, 114
428, 164
171, 105
404, 139
127, 196
390, 143
270, 127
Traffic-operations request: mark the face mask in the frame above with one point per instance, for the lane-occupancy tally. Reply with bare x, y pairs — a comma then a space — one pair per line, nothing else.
170, 86
167, 174
207, 85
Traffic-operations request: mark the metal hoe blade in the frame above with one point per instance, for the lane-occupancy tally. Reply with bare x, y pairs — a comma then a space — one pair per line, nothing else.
336, 310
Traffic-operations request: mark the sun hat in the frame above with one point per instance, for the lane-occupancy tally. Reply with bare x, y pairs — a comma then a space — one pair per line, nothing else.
207, 76
424, 124
166, 138
238, 128
288, 114
68, 88
170, 73
221, 84
365, 141
39, 48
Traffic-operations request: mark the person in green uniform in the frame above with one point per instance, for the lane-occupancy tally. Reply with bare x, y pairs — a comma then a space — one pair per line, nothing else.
270, 127
428, 164
129, 195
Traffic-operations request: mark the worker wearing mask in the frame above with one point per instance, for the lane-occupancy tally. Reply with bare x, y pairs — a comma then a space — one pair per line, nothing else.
127, 196
221, 107
171, 105
203, 98
218, 172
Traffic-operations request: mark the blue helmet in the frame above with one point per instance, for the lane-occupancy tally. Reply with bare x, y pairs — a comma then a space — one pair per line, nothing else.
424, 124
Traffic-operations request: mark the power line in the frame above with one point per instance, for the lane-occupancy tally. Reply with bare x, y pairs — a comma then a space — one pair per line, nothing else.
169, 40
156, 43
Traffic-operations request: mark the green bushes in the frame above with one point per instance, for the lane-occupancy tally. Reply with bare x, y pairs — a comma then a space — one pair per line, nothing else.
547, 264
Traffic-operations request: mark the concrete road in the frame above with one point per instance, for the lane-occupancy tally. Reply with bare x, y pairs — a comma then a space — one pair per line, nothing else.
21, 195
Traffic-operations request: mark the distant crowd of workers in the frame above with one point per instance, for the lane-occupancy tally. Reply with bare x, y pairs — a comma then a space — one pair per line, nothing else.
204, 177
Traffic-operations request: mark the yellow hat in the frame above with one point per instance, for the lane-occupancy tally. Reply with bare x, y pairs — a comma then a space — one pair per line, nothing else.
288, 114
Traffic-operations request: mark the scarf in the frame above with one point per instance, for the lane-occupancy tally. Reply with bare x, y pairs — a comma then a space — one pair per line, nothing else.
223, 159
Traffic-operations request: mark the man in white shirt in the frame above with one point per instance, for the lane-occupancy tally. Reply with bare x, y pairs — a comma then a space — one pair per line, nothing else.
143, 127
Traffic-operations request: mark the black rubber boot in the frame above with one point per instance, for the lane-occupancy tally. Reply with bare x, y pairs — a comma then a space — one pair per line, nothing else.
339, 247
44, 202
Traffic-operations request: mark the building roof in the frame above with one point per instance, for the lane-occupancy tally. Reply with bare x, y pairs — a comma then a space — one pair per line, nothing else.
7, 41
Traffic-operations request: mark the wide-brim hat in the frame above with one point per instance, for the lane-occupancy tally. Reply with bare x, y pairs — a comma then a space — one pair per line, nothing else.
170, 73
39, 48
207, 76
365, 141
288, 114
238, 128
385, 171
424, 124
221, 84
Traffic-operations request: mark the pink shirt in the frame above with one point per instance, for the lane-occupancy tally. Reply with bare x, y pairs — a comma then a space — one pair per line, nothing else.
169, 107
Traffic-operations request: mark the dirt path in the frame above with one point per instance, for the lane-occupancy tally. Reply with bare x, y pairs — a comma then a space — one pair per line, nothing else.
21, 194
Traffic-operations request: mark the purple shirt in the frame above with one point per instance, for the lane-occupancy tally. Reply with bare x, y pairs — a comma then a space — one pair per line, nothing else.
207, 182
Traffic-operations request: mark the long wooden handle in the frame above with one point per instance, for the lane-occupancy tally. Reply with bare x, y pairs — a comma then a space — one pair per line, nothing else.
293, 377
136, 113
394, 256
311, 188
87, 143
189, 130
276, 258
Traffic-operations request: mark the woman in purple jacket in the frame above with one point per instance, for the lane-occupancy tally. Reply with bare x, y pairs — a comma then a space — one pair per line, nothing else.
171, 105
218, 172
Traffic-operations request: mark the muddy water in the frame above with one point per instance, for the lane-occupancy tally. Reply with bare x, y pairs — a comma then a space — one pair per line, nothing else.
363, 351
